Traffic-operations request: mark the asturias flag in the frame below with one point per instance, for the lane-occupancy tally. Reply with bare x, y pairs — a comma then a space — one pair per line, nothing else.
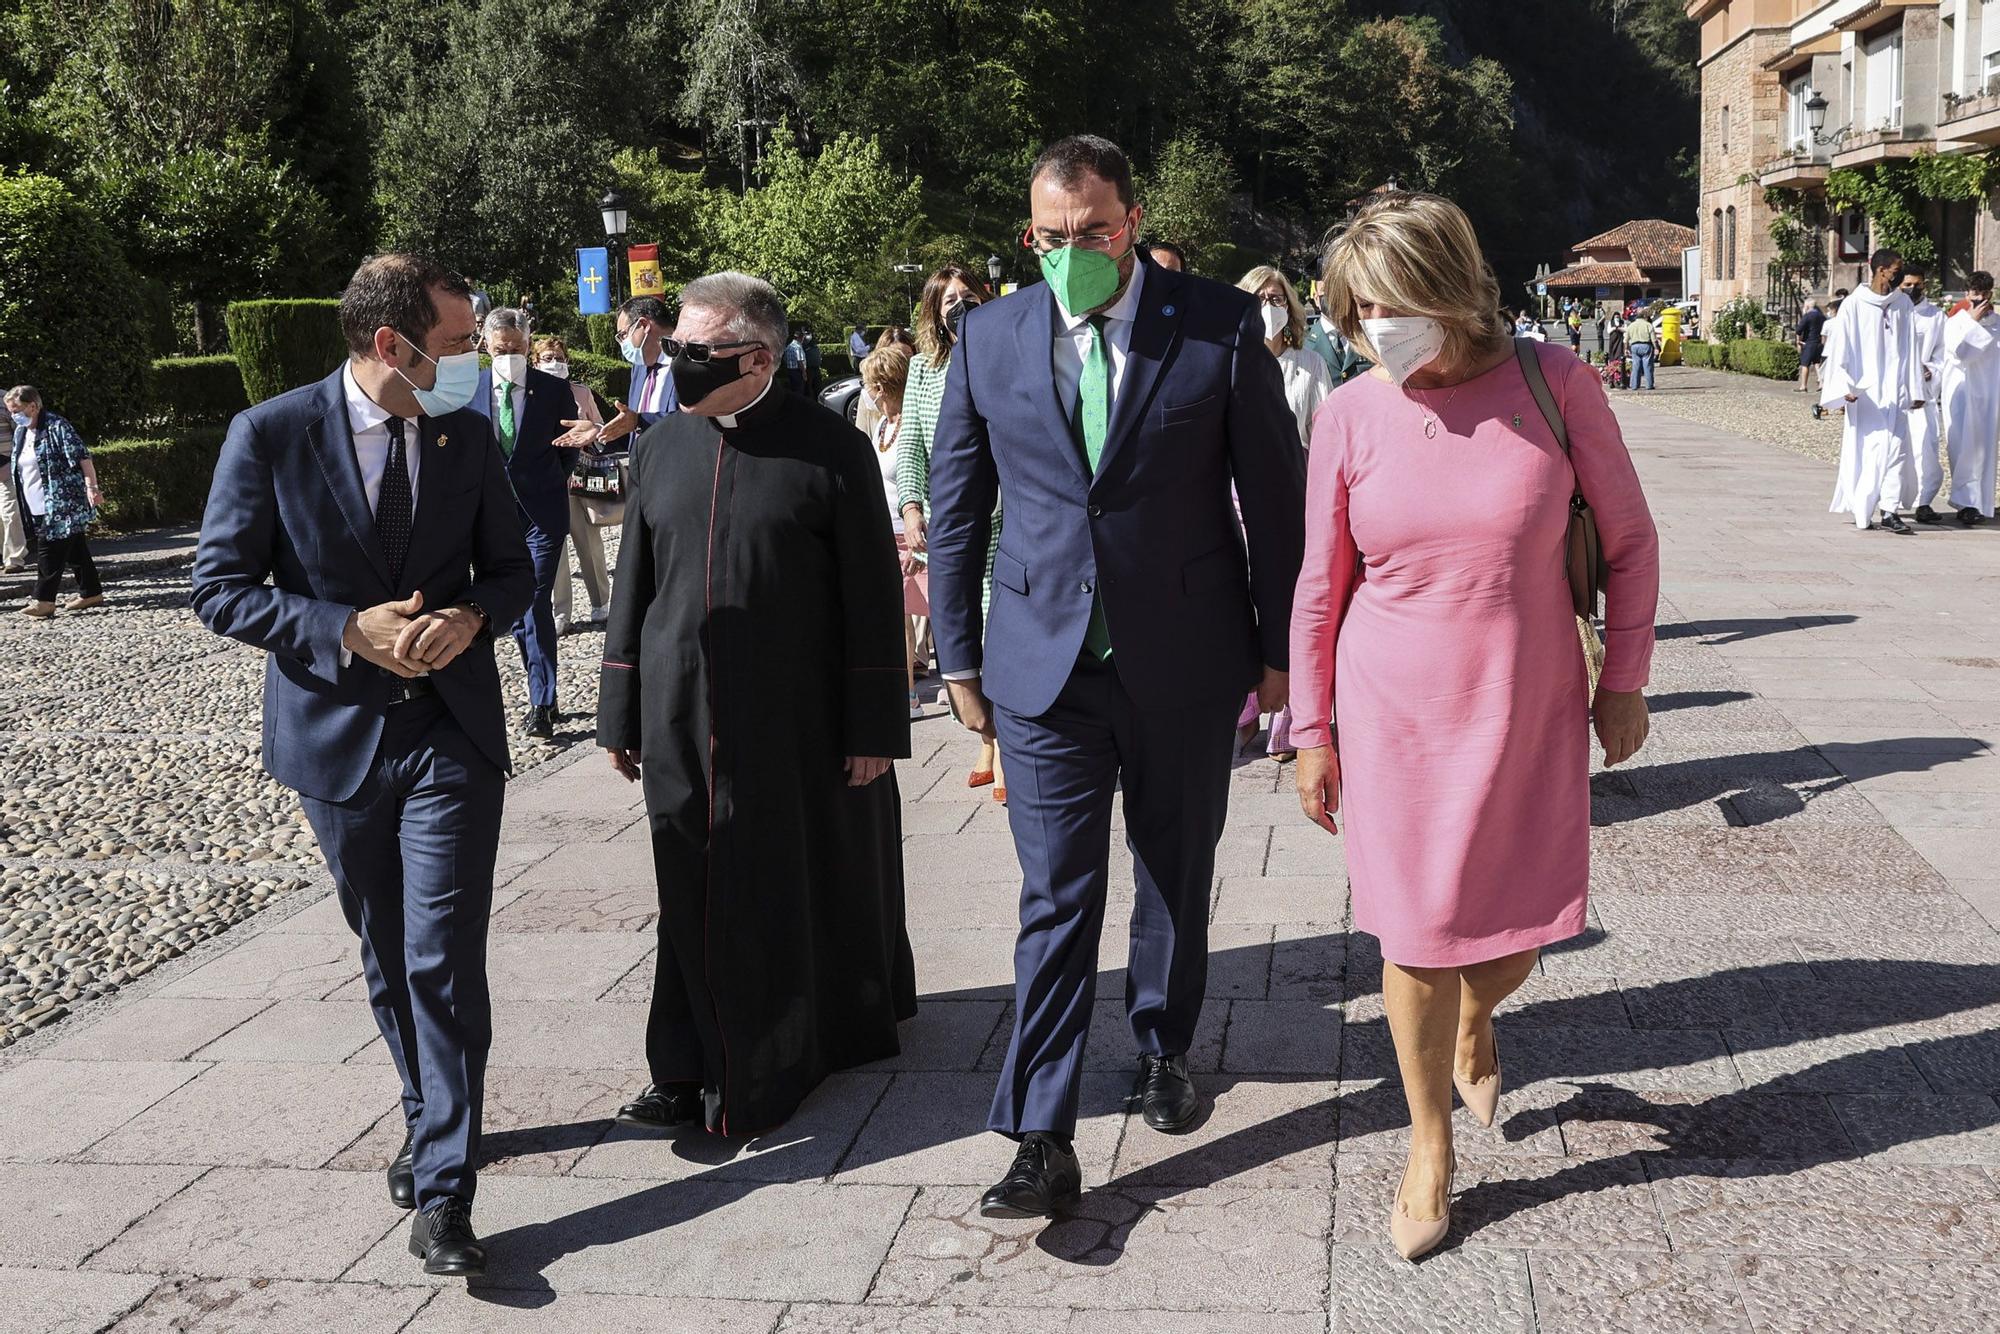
645, 266
593, 280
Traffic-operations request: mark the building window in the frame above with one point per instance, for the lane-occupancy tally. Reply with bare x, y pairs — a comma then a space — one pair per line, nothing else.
1853, 235
1798, 129
1989, 50
1725, 127
1718, 243
1885, 82
1730, 244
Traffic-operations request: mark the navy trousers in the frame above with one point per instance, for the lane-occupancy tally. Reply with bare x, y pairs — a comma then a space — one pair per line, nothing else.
1063, 770
412, 859
535, 632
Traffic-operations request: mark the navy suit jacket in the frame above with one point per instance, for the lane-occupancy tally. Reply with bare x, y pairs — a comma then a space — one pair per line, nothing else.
538, 470
288, 551
1153, 533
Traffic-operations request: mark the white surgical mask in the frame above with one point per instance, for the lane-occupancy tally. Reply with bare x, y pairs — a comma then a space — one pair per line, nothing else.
559, 369
511, 367
1404, 345
1275, 320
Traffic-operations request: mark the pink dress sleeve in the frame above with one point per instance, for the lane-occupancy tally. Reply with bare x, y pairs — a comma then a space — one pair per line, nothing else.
1624, 524
1326, 580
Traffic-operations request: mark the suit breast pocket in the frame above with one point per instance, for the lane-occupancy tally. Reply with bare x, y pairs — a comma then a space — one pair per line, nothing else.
1174, 414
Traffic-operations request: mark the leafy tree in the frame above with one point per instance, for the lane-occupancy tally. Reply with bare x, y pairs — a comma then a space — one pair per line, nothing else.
1187, 198
816, 228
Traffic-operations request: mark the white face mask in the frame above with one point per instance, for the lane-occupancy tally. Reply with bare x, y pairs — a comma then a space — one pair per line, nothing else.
1404, 345
559, 369
1275, 320
511, 367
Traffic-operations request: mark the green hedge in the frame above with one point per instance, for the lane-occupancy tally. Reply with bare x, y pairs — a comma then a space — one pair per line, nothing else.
611, 377
603, 331
1761, 356
156, 481
65, 319
280, 345
197, 391
1694, 352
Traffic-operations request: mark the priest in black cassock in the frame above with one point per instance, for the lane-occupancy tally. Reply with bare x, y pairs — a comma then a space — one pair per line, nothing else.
754, 675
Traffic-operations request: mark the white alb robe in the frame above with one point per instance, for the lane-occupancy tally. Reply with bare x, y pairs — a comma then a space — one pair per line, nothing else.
1972, 407
1871, 354
1928, 333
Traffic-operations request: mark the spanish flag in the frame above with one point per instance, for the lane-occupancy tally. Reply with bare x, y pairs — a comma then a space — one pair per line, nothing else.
645, 265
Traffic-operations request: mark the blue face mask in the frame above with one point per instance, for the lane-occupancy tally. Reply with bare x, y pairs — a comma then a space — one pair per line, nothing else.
23, 419
457, 378
634, 350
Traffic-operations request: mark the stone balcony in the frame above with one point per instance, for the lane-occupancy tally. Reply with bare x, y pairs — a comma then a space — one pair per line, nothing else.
1969, 121
1801, 169
1868, 147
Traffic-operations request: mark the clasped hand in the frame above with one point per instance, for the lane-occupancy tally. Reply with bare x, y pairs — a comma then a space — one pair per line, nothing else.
401, 637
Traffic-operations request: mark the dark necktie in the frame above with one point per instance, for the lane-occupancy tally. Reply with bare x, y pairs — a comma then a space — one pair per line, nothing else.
392, 505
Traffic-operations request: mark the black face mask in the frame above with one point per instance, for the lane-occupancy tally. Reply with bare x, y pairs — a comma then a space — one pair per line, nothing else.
696, 380
956, 318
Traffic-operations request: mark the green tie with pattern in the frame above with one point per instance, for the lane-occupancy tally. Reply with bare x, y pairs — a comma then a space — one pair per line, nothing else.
1093, 426
507, 428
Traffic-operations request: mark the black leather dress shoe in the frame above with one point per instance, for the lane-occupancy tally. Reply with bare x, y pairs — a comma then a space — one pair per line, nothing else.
540, 721
442, 1238
1044, 1178
1165, 1094
662, 1107
403, 1175
1925, 514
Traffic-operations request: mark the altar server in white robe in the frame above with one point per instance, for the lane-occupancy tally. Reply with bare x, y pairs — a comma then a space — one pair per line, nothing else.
1925, 437
1972, 400
1872, 370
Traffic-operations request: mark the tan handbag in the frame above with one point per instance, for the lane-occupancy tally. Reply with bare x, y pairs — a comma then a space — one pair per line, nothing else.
1585, 553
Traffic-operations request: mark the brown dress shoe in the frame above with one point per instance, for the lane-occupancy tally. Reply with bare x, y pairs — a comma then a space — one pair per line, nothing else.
79, 603
41, 611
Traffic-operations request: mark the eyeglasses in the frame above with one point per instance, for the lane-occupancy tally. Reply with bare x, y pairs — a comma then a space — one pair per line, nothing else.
700, 352
1273, 299
1100, 241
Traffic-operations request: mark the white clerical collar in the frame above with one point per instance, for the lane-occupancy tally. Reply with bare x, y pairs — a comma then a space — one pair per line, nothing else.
728, 422
1125, 307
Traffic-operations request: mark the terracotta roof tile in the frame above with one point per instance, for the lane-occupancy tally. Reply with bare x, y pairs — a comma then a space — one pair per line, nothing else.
1598, 275
1653, 243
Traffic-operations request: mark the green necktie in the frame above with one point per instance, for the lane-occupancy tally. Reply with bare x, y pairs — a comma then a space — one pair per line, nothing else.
506, 420
1093, 427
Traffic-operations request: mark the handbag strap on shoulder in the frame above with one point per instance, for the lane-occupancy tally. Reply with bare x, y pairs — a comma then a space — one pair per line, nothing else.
1538, 385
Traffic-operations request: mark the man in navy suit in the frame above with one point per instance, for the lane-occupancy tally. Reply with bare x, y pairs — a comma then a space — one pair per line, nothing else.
527, 409
1112, 406
361, 531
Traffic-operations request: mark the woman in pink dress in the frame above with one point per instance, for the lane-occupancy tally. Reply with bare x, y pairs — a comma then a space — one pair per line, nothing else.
1439, 693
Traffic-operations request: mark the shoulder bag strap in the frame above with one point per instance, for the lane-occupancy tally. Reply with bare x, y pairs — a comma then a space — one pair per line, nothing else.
1538, 385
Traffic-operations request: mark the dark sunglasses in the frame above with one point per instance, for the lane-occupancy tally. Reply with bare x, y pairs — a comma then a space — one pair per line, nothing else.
700, 352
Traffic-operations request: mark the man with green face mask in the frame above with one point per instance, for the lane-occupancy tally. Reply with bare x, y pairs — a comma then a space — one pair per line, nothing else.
1114, 406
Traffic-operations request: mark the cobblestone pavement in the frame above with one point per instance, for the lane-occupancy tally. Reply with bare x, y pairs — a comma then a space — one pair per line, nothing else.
1756, 1094
1768, 410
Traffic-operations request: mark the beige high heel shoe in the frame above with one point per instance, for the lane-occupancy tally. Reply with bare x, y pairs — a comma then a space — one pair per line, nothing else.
1480, 1096
1415, 1237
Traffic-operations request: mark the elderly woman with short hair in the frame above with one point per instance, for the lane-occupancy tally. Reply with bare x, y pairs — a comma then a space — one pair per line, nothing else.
57, 487
1441, 698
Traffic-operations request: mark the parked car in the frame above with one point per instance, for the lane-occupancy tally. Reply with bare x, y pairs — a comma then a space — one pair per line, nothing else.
843, 396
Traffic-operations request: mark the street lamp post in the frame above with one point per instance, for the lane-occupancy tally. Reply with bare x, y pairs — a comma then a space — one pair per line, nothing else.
613, 211
909, 272
995, 266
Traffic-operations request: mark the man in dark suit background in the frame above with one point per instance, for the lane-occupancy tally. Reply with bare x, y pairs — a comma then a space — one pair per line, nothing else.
528, 411
361, 531
1113, 406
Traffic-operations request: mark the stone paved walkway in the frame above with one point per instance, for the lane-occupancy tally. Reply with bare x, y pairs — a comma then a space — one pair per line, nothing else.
1756, 1094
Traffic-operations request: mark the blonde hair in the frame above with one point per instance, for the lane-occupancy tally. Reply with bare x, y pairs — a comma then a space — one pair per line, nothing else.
885, 371
1417, 254
1254, 282
549, 343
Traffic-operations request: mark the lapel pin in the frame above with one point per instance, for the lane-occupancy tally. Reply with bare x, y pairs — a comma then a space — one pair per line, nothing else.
1166, 310
444, 440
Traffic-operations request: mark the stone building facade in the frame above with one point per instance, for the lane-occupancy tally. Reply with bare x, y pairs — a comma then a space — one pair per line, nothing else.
1794, 89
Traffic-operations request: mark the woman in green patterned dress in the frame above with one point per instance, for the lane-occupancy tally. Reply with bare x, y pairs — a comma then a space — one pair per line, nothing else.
948, 294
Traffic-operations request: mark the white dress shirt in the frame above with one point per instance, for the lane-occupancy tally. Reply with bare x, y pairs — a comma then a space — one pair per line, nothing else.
30, 465
1072, 343
500, 387
368, 421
